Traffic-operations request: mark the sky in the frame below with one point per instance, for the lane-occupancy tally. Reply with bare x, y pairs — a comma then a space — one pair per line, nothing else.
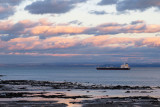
79, 31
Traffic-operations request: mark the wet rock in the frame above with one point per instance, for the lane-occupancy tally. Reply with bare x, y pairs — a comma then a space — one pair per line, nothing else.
18, 94
140, 101
64, 96
31, 104
127, 92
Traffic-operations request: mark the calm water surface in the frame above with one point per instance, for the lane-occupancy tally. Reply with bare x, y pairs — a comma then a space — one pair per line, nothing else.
136, 76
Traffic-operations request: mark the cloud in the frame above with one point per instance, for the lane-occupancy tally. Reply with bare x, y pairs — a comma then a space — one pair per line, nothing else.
141, 5
54, 30
137, 22
30, 43
57, 55
10, 2
44, 29
103, 29
95, 48
7, 7
88, 55
14, 30
52, 6
115, 28
34, 43
152, 42
128, 5
108, 41
24, 43
5, 11
95, 41
75, 22
98, 12
107, 2
60, 42
122, 42
44, 21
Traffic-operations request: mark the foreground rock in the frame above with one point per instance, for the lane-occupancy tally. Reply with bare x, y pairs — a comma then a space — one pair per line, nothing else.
31, 104
41, 94
137, 101
20, 90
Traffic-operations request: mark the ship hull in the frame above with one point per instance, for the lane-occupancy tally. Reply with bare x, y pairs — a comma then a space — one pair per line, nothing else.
103, 68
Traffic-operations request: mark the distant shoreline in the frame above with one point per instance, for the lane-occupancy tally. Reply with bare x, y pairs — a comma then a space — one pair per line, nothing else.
77, 64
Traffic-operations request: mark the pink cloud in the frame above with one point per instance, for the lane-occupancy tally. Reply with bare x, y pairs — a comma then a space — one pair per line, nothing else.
45, 21
152, 28
95, 40
60, 42
45, 28
152, 41
115, 28
36, 43
24, 43
66, 42
108, 41
6, 25
50, 30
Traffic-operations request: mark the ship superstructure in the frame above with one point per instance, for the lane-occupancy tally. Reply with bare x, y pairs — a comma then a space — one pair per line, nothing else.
125, 65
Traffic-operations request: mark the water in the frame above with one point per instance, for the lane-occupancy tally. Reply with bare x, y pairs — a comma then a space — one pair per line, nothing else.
135, 76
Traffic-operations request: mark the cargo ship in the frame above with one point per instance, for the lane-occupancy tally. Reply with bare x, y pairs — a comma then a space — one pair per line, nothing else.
125, 66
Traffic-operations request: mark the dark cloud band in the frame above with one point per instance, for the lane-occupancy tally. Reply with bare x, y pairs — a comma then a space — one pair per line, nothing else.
7, 7
124, 5
107, 2
10, 2
52, 6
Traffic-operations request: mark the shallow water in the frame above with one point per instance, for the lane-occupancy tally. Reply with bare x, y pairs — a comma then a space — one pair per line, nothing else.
136, 76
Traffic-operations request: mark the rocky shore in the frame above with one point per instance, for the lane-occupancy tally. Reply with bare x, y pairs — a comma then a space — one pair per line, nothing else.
20, 93
23, 85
